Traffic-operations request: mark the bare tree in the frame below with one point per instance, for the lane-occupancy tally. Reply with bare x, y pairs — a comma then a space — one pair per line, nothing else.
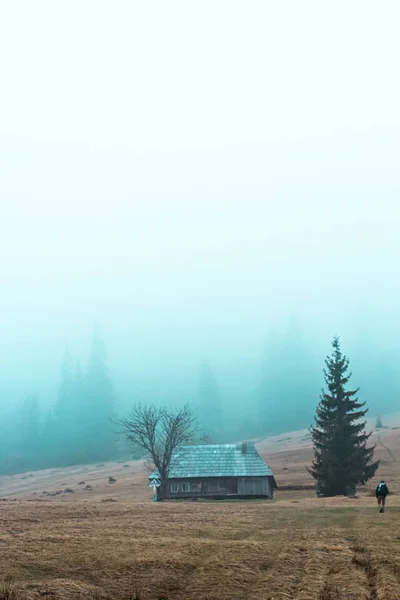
159, 432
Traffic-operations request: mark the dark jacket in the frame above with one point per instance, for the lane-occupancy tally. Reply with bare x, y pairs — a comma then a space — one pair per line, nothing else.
382, 490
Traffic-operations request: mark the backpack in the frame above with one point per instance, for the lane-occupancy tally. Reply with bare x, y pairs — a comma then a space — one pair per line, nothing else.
382, 490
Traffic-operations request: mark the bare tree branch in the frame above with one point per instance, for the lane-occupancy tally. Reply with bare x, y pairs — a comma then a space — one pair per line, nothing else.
159, 433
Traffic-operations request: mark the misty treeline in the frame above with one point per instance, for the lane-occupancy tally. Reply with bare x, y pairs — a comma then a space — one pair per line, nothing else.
282, 397
78, 428
80, 425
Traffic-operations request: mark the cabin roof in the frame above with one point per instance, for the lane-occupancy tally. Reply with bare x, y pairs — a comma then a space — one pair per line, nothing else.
218, 460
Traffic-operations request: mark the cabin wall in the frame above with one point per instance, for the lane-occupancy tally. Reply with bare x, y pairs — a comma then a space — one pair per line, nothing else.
254, 486
202, 488
212, 487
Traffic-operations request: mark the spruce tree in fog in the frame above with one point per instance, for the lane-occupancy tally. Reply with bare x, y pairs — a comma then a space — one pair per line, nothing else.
271, 384
30, 432
342, 459
210, 405
98, 406
65, 415
289, 383
82, 428
80, 413
49, 447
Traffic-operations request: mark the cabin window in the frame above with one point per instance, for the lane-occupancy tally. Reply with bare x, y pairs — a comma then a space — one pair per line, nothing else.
185, 487
174, 488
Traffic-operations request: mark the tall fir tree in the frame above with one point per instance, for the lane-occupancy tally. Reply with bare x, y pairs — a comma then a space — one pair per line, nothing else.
342, 458
65, 414
80, 429
210, 405
270, 385
30, 432
49, 442
99, 406
289, 383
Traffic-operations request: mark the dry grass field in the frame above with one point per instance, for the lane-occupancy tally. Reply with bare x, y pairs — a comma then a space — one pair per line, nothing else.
292, 548
111, 540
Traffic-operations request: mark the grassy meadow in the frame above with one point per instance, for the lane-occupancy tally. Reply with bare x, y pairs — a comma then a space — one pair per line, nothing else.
112, 541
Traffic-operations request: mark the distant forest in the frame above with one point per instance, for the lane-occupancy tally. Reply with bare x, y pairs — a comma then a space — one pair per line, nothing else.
80, 429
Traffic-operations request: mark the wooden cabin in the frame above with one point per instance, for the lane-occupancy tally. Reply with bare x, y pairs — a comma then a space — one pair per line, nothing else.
219, 471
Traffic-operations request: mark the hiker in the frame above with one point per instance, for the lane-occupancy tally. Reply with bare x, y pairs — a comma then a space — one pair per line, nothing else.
381, 493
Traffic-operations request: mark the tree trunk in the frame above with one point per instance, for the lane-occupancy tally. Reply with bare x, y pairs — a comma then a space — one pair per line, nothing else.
161, 491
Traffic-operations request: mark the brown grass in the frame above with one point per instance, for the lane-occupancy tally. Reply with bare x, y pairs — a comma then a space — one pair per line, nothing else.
304, 549
82, 546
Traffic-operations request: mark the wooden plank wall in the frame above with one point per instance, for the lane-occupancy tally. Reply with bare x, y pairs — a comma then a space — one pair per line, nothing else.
242, 486
254, 486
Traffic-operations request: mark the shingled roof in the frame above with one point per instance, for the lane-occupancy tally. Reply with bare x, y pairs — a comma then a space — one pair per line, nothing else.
218, 460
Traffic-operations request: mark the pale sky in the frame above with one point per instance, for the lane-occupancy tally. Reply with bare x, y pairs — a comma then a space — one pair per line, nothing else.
188, 173
164, 76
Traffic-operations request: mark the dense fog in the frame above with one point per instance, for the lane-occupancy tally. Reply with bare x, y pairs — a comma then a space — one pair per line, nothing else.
224, 295
198, 239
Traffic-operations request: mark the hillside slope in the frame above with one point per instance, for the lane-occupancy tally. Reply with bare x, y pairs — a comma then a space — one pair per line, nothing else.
287, 455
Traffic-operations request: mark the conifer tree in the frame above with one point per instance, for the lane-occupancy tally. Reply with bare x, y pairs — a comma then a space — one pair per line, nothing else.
99, 406
268, 392
289, 382
210, 404
65, 414
342, 459
30, 431
49, 442
81, 416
